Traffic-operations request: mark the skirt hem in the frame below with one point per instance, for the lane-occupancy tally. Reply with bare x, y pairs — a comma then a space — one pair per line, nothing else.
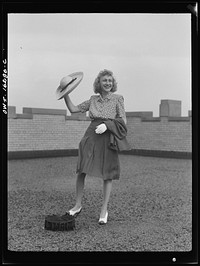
98, 176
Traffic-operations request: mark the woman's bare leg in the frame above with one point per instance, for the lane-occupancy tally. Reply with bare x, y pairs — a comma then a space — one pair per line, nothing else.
107, 187
80, 182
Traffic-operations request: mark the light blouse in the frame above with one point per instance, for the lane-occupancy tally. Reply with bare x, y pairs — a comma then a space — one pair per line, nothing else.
110, 107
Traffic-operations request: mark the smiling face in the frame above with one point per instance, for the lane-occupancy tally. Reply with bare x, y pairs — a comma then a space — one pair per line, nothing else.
106, 83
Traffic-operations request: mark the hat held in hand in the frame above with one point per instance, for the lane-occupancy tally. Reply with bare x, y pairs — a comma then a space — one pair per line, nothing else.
68, 84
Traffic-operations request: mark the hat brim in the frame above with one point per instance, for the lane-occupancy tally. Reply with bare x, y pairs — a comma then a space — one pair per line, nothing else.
61, 92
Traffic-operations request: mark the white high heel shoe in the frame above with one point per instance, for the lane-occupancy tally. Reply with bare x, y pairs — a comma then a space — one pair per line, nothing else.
103, 220
75, 213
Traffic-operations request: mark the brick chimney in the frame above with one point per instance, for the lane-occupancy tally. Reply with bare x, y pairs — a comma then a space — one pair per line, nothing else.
170, 108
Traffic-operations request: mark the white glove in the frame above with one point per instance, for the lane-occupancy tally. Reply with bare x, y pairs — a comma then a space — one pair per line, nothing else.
101, 129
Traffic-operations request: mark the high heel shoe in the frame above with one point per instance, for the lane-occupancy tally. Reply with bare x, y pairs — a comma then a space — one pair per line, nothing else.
103, 220
75, 213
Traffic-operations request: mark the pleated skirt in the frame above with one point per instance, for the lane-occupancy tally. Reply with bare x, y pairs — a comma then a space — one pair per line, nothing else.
95, 158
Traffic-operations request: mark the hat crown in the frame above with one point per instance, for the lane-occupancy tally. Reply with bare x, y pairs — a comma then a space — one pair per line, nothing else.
66, 80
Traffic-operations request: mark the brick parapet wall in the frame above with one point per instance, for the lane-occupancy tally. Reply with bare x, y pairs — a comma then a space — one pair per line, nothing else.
51, 129
166, 134
45, 132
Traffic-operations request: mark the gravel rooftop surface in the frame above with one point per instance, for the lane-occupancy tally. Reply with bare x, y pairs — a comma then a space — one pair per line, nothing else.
150, 208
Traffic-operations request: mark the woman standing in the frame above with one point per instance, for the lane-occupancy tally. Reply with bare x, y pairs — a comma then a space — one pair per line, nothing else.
106, 134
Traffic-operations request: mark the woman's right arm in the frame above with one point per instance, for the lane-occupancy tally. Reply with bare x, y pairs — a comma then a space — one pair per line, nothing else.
72, 108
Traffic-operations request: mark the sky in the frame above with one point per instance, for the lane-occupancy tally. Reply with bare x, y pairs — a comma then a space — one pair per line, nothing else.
149, 55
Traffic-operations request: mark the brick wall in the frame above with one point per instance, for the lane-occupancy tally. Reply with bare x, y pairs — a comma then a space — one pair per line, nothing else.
165, 133
44, 130
38, 129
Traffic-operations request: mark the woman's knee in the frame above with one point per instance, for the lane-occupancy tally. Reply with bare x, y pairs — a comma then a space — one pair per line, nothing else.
81, 176
107, 182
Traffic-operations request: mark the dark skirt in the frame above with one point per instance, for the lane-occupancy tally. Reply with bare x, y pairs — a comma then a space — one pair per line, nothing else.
95, 158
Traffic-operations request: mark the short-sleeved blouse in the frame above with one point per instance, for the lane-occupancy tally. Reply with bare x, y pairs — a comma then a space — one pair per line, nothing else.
110, 107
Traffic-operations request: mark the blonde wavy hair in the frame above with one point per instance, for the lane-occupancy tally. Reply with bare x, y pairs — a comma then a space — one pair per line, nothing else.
97, 86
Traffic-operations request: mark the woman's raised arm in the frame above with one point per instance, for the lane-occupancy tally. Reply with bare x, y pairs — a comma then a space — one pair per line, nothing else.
72, 108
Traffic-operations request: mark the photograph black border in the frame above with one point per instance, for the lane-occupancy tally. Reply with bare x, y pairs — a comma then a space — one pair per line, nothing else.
124, 6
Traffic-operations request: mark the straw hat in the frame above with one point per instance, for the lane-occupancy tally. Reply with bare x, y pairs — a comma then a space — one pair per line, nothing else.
68, 84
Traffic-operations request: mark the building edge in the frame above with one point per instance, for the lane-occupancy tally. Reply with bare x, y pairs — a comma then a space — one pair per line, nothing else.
33, 154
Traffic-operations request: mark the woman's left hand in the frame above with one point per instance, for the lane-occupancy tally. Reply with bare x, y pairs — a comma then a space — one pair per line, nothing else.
101, 128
